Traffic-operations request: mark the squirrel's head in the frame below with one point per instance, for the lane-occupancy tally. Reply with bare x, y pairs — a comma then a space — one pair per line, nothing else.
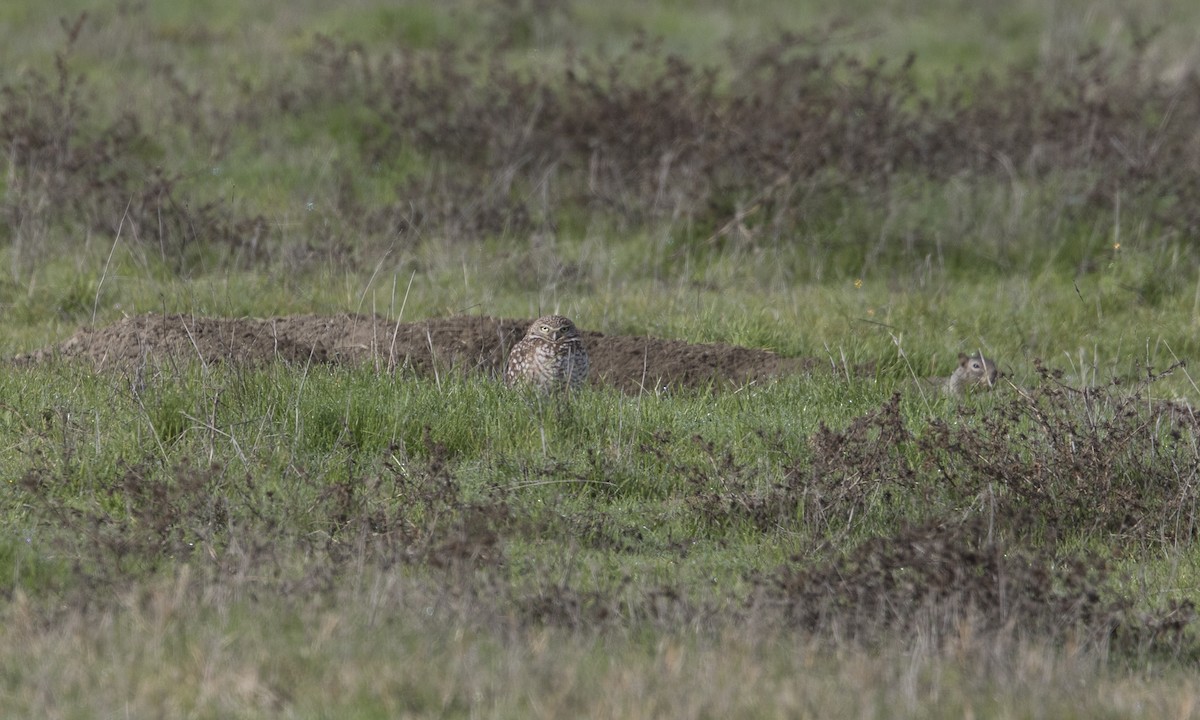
977, 370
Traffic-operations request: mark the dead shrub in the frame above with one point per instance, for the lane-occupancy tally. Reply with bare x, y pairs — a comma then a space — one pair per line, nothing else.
647, 136
940, 580
778, 142
1077, 462
414, 512
144, 520
1104, 461
70, 170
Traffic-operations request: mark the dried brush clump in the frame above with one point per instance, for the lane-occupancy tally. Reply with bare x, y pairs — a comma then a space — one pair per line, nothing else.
901, 529
827, 488
988, 507
647, 135
1081, 462
784, 137
70, 170
233, 533
413, 511
937, 581
131, 526
560, 605
1102, 461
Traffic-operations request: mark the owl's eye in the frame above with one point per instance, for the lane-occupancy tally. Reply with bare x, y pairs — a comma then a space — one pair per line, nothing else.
545, 328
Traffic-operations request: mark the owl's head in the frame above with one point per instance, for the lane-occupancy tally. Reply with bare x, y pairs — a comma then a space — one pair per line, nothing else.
553, 328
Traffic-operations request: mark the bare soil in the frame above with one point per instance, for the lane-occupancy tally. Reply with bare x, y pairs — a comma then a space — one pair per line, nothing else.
470, 343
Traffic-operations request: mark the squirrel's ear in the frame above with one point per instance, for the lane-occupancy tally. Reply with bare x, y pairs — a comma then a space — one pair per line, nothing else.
962, 358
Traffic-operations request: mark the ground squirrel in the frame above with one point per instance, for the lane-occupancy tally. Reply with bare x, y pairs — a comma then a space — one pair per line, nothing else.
974, 372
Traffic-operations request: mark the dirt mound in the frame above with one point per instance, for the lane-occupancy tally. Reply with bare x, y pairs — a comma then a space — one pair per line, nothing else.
631, 363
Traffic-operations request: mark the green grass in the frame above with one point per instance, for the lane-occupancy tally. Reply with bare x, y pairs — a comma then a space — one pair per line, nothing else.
311, 541
173, 655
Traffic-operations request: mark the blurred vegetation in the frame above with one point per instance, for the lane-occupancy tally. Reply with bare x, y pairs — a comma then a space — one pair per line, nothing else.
875, 184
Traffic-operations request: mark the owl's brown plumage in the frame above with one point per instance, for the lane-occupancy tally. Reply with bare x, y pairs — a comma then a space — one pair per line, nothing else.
550, 357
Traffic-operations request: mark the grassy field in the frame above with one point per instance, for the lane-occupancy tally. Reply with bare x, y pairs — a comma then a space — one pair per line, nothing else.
869, 184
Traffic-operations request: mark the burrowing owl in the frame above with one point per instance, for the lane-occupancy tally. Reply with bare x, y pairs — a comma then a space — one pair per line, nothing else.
550, 357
